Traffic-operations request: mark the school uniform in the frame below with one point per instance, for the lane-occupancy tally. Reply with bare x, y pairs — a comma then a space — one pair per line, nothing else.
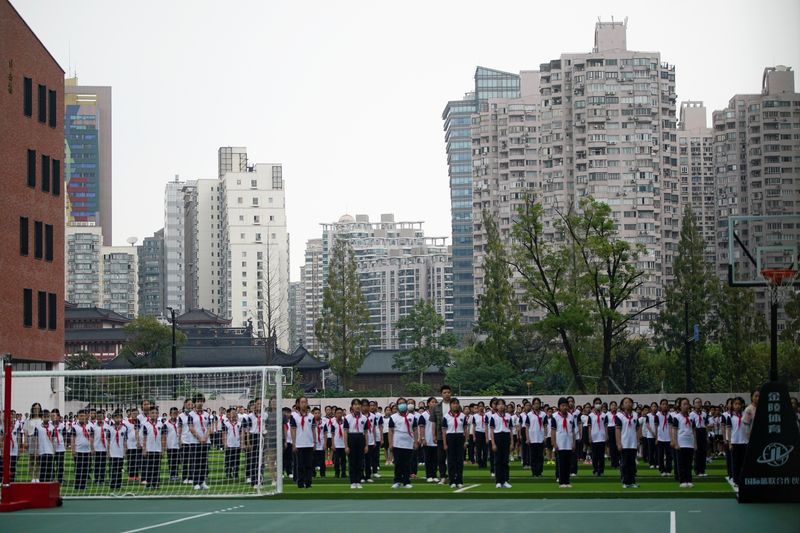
250, 430
613, 452
454, 426
232, 438
663, 443
701, 422
627, 426
305, 438
415, 453
598, 432
100, 453
429, 445
470, 439
117, 438
685, 437
151, 436
534, 424
576, 453
198, 451
59, 445
479, 429
337, 438
132, 451
564, 439
186, 439
45, 451
16, 431
83, 439
737, 429
319, 448
649, 433
373, 440
170, 427
501, 436
289, 464
403, 428
356, 427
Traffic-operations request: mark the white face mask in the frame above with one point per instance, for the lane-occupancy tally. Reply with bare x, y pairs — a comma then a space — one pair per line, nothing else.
597, 406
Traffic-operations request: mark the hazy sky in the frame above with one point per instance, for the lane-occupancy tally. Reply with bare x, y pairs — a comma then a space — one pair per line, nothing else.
349, 95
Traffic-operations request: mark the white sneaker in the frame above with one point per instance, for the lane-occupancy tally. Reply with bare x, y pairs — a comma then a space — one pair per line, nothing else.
196, 487
376, 476
246, 480
460, 486
442, 482
429, 480
408, 486
189, 481
684, 485
664, 474
452, 485
506, 485
359, 486
492, 474
362, 481
370, 480
560, 486
204, 486
436, 480
498, 486
690, 485
397, 486
353, 486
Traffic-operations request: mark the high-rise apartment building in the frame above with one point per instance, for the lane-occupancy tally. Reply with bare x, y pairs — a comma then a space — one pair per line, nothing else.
119, 281
397, 266
174, 246
203, 245
696, 162
82, 265
255, 245
756, 155
296, 314
151, 275
313, 286
457, 117
87, 169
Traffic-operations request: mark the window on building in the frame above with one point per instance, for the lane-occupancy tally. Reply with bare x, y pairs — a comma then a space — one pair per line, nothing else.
27, 307
56, 186
277, 177
42, 104
45, 173
256, 219
38, 234
255, 200
31, 168
48, 242
52, 311
23, 235
51, 101
41, 310
27, 99
254, 184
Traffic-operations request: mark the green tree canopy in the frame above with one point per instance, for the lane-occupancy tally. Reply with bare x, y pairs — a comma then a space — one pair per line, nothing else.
423, 328
149, 343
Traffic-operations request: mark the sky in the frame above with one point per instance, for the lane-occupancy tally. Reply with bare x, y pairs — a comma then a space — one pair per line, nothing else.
348, 95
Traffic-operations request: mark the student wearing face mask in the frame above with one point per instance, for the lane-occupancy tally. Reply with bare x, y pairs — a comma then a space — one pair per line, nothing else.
402, 442
414, 462
598, 431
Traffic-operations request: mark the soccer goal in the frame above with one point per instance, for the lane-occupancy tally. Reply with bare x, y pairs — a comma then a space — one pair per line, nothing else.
185, 432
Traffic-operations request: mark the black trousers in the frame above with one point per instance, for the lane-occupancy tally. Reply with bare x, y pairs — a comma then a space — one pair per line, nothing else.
339, 462
664, 457
374, 458
701, 453
233, 458
455, 457
185, 461
598, 458
305, 466
356, 443
46, 467
471, 449
415, 460
430, 461
490, 453
288, 460
737, 461
652, 452
685, 456
628, 466
82, 462
613, 452
536, 457
503, 443
152, 469
402, 465
173, 460
480, 448
100, 467
134, 460
729, 460
441, 458
573, 467
198, 468
319, 462
368, 462
563, 464
115, 472
59, 467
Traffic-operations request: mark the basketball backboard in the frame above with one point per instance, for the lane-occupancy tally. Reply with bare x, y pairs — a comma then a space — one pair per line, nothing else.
761, 242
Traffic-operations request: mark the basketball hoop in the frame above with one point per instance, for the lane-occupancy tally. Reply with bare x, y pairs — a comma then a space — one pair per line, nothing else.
780, 282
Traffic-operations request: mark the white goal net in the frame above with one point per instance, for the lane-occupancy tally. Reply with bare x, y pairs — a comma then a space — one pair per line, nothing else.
186, 432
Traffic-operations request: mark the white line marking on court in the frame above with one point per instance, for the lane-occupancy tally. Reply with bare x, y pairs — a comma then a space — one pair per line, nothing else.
672, 528
467, 488
162, 524
345, 511
732, 484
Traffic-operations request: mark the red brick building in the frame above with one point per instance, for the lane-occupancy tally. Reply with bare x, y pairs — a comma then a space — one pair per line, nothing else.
32, 199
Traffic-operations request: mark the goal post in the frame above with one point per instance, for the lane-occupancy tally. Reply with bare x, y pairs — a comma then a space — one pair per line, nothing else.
145, 433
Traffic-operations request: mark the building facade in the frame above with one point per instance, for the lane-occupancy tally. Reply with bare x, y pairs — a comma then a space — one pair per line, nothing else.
32, 205
120, 280
87, 176
204, 255
151, 275
83, 266
296, 314
313, 285
174, 245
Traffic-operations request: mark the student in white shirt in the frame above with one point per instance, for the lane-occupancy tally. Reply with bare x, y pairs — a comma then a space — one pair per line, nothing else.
479, 429
132, 452
302, 426
534, 423
30, 425
170, 428
402, 441
429, 443
117, 438
387, 414
231, 443
16, 430
186, 438
355, 437
683, 441
500, 437
563, 441
598, 431
701, 422
337, 436
454, 434
650, 438
628, 433
100, 451
82, 448
42, 440
611, 421
198, 427
154, 440
57, 428
372, 460
738, 438
663, 438
320, 438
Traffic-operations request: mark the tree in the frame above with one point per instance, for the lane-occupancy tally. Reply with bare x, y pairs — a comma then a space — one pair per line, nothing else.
83, 360
610, 273
498, 317
740, 325
423, 328
271, 320
545, 269
694, 287
343, 329
149, 343
791, 333
473, 374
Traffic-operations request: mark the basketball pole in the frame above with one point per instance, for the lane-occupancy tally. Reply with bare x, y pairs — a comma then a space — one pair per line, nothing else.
773, 340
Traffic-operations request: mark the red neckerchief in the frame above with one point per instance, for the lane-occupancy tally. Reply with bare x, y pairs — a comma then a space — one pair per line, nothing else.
664, 425
599, 422
339, 425
102, 435
58, 437
319, 430
740, 419
357, 424
503, 418
85, 431
455, 421
688, 422
233, 428
117, 428
408, 426
174, 426
564, 419
47, 431
630, 418
258, 419
202, 426
155, 429
302, 422
538, 420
